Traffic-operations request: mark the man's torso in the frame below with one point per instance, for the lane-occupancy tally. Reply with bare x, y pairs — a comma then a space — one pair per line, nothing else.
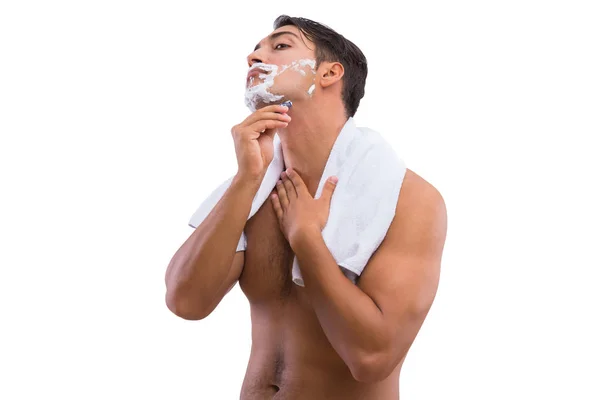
291, 357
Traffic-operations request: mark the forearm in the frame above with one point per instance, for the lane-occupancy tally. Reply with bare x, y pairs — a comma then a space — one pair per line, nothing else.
350, 319
202, 263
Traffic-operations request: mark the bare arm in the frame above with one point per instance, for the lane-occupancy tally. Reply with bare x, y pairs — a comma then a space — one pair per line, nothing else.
207, 266
373, 324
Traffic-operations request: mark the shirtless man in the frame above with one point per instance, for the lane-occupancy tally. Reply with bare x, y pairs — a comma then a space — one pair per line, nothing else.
330, 339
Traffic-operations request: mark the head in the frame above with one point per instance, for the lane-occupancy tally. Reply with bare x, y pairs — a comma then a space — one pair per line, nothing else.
302, 60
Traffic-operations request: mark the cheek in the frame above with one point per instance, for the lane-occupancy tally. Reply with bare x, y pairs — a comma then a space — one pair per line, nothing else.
292, 79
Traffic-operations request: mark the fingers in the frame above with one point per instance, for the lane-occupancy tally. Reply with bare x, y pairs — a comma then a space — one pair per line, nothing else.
267, 116
270, 112
328, 189
263, 125
286, 192
274, 108
277, 206
289, 187
266, 120
297, 181
281, 192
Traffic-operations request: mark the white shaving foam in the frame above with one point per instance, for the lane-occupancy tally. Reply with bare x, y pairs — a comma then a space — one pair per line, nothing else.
260, 93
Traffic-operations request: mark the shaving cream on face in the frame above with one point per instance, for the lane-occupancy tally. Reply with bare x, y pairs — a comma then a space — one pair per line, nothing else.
260, 93
296, 66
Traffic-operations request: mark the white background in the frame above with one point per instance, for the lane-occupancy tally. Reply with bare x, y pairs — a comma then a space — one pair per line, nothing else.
115, 122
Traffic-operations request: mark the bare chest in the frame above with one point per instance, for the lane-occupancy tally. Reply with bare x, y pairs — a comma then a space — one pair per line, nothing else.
267, 273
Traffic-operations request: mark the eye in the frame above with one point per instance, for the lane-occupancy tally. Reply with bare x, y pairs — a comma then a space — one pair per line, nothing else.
280, 44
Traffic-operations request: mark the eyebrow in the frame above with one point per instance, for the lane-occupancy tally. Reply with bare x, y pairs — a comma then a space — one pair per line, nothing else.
275, 36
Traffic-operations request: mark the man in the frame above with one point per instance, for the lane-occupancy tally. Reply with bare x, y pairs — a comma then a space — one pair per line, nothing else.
331, 339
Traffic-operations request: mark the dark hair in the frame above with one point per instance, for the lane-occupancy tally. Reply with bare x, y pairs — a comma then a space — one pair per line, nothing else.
331, 46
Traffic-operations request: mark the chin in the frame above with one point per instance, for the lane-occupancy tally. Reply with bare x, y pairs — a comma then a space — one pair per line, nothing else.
284, 98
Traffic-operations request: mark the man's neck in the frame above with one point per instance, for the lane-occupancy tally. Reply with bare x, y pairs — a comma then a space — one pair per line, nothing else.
307, 141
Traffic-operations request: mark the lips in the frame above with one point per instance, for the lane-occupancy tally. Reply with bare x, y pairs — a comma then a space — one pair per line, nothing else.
255, 72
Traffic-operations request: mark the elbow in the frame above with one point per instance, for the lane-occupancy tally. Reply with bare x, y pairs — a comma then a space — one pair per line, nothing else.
372, 368
184, 307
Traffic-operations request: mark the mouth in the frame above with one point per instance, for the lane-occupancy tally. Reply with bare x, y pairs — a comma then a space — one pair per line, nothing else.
255, 72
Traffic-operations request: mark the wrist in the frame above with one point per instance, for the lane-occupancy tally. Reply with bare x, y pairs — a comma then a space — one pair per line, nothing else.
304, 236
250, 182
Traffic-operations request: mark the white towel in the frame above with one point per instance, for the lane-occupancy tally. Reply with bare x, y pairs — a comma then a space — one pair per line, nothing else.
363, 203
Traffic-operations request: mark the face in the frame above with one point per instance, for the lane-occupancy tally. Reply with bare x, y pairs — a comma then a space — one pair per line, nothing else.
281, 68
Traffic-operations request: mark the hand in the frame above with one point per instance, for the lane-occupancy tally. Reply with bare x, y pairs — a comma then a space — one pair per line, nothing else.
253, 139
297, 211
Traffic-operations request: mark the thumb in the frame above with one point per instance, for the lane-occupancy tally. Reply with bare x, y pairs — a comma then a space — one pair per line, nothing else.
329, 188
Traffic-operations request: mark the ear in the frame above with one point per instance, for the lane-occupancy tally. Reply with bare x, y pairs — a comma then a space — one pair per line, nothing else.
331, 73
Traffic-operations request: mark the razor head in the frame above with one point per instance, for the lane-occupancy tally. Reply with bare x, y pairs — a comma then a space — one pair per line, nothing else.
288, 103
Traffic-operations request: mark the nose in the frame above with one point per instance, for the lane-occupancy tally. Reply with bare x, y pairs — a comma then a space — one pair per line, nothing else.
254, 58
252, 61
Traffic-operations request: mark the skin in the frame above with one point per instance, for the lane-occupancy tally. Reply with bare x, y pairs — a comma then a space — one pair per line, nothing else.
315, 120
331, 339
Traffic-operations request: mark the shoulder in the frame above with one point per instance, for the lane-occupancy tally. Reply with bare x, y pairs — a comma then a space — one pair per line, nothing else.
418, 194
421, 215
407, 263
